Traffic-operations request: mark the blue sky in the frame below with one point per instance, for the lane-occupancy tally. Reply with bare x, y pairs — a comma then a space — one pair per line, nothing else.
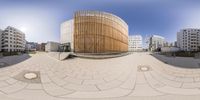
41, 19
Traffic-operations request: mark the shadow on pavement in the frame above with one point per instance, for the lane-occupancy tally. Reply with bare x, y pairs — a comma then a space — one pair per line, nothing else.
12, 60
182, 62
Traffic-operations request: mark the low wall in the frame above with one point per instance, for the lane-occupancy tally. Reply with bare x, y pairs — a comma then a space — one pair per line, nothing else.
100, 56
59, 55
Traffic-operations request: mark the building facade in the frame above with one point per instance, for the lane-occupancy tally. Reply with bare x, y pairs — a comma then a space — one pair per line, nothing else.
52, 46
189, 39
12, 39
135, 43
66, 39
156, 42
1, 31
99, 32
31, 46
170, 49
40, 47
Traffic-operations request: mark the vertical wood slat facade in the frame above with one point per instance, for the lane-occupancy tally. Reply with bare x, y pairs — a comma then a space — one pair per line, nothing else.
99, 32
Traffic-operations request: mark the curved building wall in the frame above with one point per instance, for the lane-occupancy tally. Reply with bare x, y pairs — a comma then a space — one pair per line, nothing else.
99, 32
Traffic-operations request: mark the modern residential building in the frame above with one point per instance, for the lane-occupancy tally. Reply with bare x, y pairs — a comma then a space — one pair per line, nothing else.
66, 39
12, 39
1, 31
189, 39
135, 43
156, 42
52, 46
99, 32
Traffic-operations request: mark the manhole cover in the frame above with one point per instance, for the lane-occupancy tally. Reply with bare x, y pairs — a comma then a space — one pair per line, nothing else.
30, 76
143, 68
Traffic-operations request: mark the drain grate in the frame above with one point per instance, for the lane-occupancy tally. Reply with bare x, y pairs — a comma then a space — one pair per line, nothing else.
143, 68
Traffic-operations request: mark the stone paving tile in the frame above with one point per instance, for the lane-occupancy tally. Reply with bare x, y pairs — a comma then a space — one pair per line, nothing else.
81, 87
55, 90
2, 78
166, 81
58, 81
93, 82
109, 85
196, 79
11, 80
180, 91
165, 75
124, 76
130, 82
111, 77
191, 85
3, 84
140, 78
45, 78
152, 81
117, 92
14, 87
145, 90
33, 95
185, 79
34, 86
73, 80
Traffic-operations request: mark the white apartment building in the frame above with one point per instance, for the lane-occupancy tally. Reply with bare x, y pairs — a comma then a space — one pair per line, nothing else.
188, 39
135, 43
1, 31
156, 42
67, 30
12, 39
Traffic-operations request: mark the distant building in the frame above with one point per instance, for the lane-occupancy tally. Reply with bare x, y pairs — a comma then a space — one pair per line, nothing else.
12, 39
135, 43
175, 44
169, 44
40, 47
189, 39
31, 46
43, 46
170, 49
66, 37
156, 43
52, 46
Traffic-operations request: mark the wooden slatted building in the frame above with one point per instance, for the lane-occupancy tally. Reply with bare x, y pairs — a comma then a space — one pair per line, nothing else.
99, 32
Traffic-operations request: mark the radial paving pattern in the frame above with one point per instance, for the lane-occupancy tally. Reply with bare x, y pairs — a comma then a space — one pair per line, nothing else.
134, 76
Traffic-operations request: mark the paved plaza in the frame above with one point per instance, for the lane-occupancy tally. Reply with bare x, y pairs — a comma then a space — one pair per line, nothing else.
137, 76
